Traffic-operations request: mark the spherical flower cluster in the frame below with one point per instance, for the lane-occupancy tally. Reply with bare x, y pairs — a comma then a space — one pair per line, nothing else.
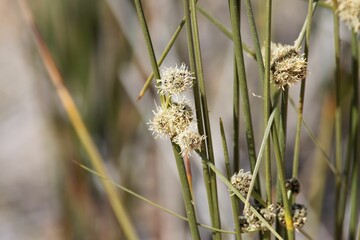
175, 80
293, 185
172, 120
249, 222
349, 12
189, 140
298, 213
287, 65
241, 181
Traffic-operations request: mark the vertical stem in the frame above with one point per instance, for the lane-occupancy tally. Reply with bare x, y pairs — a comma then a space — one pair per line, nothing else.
234, 202
255, 38
186, 193
302, 94
267, 100
338, 155
236, 120
354, 207
190, 210
214, 209
234, 11
281, 180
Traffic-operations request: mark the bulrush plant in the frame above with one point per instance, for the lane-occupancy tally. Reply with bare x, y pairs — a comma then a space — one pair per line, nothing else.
281, 65
262, 208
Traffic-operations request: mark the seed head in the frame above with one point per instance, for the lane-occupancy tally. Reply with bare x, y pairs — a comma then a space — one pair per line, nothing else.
249, 222
175, 80
172, 120
287, 65
241, 181
293, 185
298, 213
349, 12
189, 140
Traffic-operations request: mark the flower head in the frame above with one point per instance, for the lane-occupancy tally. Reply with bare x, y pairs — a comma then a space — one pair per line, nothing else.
287, 65
349, 12
175, 80
249, 222
241, 181
189, 140
172, 120
298, 213
292, 185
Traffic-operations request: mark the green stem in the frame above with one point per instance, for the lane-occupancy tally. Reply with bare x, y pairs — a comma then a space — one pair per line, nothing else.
198, 108
234, 15
354, 207
236, 120
255, 38
267, 100
338, 134
148, 42
304, 28
186, 193
162, 57
224, 30
190, 210
214, 209
281, 180
234, 202
302, 95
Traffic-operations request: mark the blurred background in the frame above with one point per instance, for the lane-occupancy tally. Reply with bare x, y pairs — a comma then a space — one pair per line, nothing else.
99, 49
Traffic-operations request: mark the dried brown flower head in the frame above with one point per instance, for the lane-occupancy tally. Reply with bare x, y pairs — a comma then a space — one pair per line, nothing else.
287, 65
241, 181
298, 213
249, 222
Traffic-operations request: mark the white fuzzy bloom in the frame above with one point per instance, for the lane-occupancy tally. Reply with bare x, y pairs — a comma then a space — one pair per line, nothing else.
189, 140
349, 12
175, 80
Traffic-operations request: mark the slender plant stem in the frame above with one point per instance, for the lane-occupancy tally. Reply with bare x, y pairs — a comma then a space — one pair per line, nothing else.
338, 134
255, 38
238, 194
354, 207
189, 206
224, 30
162, 58
186, 192
79, 125
236, 119
198, 108
234, 15
302, 33
267, 100
152, 203
281, 180
262, 147
214, 209
302, 95
234, 202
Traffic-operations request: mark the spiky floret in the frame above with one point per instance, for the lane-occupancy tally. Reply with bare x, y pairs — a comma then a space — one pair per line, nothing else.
175, 80
171, 121
287, 65
298, 213
349, 12
189, 140
249, 222
241, 181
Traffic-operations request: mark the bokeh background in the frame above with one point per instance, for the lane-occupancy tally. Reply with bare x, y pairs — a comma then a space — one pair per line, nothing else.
99, 49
